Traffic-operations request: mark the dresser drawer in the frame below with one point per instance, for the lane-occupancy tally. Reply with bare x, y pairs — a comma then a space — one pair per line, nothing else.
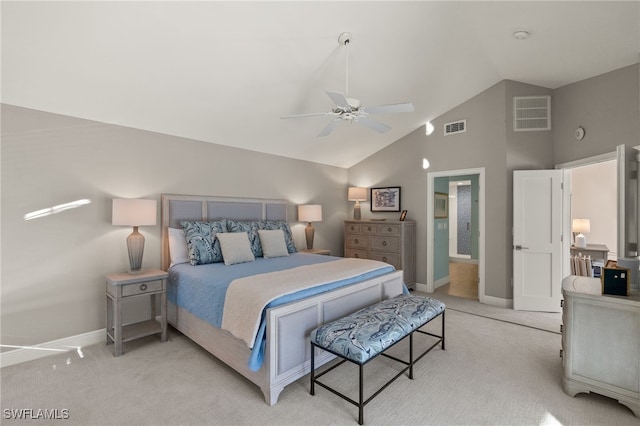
141, 288
390, 258
391, 244
369, 228
388, 229
359, 254
357, 242
352, 228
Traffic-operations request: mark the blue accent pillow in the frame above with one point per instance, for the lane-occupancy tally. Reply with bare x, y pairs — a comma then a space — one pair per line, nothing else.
202, 245
251, 228
288, 236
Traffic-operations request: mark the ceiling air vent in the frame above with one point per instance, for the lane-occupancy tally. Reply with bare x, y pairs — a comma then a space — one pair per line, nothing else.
455, 127
531, 113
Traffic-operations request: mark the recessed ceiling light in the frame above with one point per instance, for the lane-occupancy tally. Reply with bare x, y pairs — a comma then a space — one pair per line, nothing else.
521, 35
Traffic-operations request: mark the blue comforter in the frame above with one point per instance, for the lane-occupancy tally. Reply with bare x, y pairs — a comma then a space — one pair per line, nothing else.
201, 289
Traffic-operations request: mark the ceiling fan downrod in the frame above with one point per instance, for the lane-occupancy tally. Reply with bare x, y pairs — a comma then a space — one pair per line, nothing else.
345, 39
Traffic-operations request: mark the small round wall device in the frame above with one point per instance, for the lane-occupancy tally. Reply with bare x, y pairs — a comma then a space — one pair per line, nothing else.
579, 133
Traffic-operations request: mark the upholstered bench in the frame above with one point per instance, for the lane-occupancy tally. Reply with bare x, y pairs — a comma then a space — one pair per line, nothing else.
367, 333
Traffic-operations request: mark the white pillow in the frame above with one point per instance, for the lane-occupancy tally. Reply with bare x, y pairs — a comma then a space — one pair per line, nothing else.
178, 252
235, 247
273, 243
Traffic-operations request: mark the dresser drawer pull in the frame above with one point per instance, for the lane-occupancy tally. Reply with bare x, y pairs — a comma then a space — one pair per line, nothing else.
355, 241
368, 228
356, 255
389, 229
384, 258
353, 227
143, 287
384, 243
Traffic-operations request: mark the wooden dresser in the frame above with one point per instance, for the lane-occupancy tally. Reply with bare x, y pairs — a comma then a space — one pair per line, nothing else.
393, 242
601, 342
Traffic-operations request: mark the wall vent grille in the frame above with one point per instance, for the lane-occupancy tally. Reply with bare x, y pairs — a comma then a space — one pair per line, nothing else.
459, 126
531, 113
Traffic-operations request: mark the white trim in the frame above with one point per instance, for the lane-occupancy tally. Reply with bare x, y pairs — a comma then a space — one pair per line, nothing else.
481, 224
442, 281
500, 303
54, 347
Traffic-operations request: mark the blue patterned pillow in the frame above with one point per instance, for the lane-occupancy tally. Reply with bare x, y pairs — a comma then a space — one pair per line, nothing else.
202, 244
288, 237
251, 228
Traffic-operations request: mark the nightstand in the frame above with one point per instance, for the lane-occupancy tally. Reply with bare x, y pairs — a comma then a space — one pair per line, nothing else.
123, 286
316, 251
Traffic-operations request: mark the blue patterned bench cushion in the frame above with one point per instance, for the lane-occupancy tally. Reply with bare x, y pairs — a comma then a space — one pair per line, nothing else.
369, 331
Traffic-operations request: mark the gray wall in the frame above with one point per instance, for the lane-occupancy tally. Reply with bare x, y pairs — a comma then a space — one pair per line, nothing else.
53, 268
486, 143
607, 106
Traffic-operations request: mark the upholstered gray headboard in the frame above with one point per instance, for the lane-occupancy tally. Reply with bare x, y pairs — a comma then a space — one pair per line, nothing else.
176, 208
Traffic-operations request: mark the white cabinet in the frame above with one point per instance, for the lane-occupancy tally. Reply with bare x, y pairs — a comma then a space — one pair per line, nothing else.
601, 343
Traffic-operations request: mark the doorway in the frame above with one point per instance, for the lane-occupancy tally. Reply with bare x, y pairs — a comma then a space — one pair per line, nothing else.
438, 226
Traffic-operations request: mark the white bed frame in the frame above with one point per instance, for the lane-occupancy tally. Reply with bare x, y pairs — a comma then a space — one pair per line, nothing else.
287, 355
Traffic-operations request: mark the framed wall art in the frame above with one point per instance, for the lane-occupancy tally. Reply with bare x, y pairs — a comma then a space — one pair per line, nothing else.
441, 205
385, 199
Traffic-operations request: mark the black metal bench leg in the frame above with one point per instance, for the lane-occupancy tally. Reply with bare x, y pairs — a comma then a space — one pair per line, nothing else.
411, 356
443, 330
312, 390
361, 405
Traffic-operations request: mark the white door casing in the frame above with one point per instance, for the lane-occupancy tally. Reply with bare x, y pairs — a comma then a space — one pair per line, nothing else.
537, 240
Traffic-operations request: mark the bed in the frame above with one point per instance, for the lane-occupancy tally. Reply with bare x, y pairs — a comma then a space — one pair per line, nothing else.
281, 354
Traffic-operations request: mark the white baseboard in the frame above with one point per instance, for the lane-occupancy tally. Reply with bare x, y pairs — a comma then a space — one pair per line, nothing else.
72, 343
442, 281
421, 287
496, 301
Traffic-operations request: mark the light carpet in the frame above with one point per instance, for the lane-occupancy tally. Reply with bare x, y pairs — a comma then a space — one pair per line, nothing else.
492, 373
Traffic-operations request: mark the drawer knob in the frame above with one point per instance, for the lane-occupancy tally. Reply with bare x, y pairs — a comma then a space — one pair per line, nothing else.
143, 287
369, 228
355, 241
384, 258
353, 227
356, 255
384, 243
389, 229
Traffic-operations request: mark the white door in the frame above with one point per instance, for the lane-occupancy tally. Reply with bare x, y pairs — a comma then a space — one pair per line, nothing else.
537, 240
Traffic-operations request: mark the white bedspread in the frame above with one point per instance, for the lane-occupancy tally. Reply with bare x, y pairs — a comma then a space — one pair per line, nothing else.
247, 297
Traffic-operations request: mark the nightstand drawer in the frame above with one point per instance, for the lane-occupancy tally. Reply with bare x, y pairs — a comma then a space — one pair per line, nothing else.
357, 242
141, 288
385, 244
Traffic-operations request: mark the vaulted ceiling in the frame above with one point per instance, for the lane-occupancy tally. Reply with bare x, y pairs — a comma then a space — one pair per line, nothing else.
225, 72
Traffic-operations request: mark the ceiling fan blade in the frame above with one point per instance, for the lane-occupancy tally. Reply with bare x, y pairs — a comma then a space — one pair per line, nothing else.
372, 124
339, 99
389, 109
307, 115
329, 127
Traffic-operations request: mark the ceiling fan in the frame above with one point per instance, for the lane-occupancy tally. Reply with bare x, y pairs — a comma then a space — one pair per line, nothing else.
349, 109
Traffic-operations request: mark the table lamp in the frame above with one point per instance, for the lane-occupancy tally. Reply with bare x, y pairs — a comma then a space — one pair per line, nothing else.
310, 213
357, 194
134, 212
581, 226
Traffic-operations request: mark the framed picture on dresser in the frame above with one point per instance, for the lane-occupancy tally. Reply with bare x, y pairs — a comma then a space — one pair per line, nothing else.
385, 199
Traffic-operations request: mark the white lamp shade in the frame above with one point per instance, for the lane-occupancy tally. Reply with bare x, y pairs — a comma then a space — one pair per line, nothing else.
134, 212
310, 213
357, 194
581, 225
